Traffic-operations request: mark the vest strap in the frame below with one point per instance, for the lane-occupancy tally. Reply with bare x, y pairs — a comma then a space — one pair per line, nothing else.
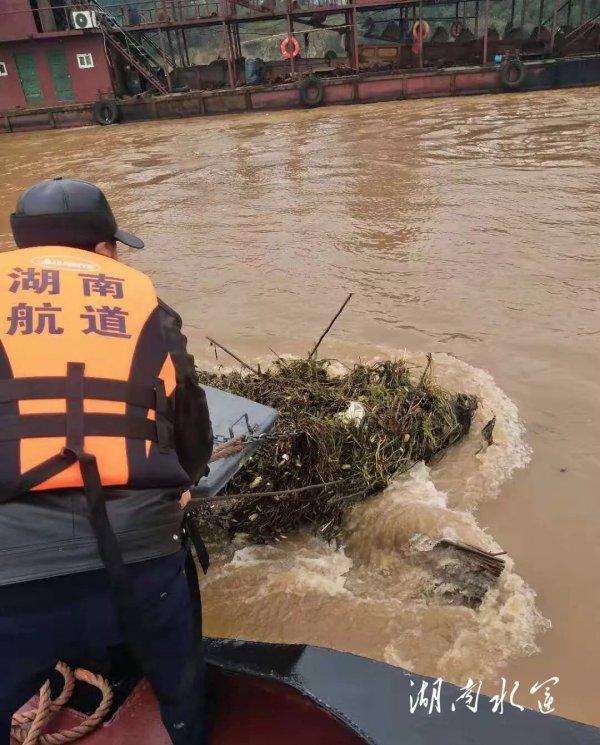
163, 426
193, 533
28, 426
135, 624
98, 389
74, 419
107, 543
37, 475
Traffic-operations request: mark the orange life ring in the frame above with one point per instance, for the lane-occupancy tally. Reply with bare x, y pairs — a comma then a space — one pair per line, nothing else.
419, 33
289, 47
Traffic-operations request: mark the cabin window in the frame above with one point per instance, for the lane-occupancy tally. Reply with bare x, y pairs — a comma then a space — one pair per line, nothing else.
3, 70
85, 61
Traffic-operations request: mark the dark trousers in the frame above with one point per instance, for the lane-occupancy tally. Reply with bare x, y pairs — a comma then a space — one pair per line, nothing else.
74, 618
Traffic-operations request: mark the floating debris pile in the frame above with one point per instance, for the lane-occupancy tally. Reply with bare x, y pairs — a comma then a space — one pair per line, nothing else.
340, 438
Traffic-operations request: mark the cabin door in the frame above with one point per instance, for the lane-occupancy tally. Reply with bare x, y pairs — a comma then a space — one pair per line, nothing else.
28, 75
61, 78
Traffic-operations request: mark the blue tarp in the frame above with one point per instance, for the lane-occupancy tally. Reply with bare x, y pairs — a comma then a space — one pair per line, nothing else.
231, 416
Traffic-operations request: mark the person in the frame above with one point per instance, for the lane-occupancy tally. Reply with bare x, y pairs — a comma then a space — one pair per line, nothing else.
103, 428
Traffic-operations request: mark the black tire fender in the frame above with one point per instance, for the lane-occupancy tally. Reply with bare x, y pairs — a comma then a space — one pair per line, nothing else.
312, 91
107, 111
512, 74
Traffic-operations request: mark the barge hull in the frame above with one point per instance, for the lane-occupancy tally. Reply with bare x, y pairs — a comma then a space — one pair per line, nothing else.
350, 89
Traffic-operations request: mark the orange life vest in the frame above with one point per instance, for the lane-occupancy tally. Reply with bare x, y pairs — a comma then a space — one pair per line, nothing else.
85, 375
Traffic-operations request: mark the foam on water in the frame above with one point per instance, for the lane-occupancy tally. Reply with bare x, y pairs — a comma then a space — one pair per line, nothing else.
299, 566
380, 594
390, 537
472, 474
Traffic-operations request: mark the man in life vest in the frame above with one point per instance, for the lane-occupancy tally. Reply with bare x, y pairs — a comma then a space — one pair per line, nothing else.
103, 427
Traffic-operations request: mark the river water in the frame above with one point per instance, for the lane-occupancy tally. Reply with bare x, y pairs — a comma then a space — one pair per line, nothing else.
465, 227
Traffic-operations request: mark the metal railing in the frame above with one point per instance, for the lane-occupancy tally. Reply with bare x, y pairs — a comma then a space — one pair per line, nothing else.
577, 33
129, 47
147, 43
149, 12
136, 13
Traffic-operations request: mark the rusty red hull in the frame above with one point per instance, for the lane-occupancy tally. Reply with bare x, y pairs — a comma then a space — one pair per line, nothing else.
280, 694
249, 711
351, 89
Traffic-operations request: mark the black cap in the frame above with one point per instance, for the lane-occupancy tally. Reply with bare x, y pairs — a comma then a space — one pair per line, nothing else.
66, 212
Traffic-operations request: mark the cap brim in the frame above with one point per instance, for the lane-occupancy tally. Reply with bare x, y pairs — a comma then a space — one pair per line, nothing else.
129, 239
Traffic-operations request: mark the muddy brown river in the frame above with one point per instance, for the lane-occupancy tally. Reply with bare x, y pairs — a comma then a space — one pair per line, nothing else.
465, 227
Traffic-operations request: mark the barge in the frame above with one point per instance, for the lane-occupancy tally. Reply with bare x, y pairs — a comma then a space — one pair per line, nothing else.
349, 89
93, 62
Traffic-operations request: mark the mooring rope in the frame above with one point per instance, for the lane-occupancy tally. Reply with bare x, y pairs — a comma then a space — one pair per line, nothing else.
229, 447
47, 708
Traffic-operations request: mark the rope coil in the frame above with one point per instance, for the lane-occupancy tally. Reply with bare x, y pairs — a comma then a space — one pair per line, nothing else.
38, 718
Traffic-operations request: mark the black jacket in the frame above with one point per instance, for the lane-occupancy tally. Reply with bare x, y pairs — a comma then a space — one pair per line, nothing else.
48, 534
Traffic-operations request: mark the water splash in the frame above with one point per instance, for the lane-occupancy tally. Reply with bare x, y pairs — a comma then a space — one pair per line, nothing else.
474, 472
381, 594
